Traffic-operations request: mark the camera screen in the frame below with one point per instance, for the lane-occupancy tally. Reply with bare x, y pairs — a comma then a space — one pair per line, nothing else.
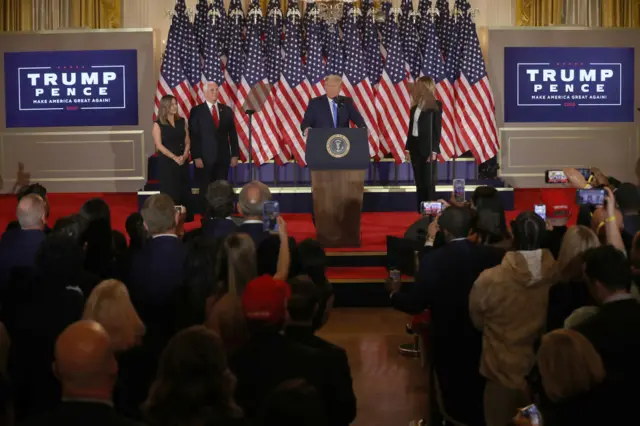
431, 208
591, 197
270, 213
556, 176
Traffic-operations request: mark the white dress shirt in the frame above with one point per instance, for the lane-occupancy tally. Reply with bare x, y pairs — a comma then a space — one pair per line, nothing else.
416, 116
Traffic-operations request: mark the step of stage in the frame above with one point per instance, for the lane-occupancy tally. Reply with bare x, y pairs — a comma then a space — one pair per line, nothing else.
361, 287
298, 199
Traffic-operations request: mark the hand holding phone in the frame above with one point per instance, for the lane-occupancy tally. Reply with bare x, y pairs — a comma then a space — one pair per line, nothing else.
431, 208
458, 190
540, 210
395, 275
590, 197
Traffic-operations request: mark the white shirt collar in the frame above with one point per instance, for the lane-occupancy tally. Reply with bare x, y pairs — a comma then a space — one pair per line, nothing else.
251, 221
164, 235
619, 296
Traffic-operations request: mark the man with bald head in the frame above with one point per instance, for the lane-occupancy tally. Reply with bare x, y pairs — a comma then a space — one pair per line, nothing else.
18, 247
87, 370
250, 203
214, 141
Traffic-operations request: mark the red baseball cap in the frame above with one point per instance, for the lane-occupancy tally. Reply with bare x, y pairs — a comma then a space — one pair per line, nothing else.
265, 299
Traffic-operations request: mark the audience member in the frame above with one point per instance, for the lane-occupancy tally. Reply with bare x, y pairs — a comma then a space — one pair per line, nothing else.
570, 290
40, 309
613, 330
5, 344
138, 235
486, 229
557, 219
508, 303
194, 385
303, 306
250, 203
73, 226
293, 403
200, 282
311, 260
628, 198
268, 358
101, 258
572, 376
220, 198
442, 286
18, 246
87, 369
6, 402
37, 189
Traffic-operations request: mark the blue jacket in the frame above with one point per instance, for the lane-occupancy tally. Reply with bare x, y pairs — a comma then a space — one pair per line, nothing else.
318, 114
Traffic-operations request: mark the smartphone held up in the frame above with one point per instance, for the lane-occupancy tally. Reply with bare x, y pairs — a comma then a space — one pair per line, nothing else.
431, 208
270, 214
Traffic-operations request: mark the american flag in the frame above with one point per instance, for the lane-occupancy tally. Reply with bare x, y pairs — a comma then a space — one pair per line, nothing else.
444, 25
433, 66
236, 59
371, 46
273, 50
220, 23
293, 89
314, 65
356, 80
253, 90
173, 80
392, 98
200, 23
475, 108
423, 10
335, 53
409, 32
212, 64
189, 54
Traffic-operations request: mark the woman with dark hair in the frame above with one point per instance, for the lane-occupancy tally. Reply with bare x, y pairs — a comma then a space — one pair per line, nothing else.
200, 281
194, 386
487, 229
74, 226
508, 303
101, 253
138, 234
171, 140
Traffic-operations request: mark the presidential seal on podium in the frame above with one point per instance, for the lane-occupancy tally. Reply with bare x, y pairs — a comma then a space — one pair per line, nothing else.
338, 146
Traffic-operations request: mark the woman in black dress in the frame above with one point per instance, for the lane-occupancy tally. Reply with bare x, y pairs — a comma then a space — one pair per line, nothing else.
423, 138
172, 142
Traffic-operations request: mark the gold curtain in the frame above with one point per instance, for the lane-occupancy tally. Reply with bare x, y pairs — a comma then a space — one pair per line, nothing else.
615, 13
16, 15
538, 13
621, 13
95, 14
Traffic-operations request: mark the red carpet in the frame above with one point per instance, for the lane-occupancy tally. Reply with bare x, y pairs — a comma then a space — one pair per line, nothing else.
375, 226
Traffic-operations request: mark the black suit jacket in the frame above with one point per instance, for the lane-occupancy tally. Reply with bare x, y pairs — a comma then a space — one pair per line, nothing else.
613, 332
218, 228
256, 232
209, 143
443, 287
269, 359
82, 414
318, 113
337, 358
18, 249
426, 137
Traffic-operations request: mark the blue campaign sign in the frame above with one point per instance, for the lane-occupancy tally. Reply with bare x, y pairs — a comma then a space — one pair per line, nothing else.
71, 88
568, 84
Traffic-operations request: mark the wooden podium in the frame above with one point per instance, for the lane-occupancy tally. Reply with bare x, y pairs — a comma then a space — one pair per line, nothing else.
337, 159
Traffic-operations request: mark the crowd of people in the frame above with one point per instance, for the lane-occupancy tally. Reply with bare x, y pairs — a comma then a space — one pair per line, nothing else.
217, 326
212, 327
533, 322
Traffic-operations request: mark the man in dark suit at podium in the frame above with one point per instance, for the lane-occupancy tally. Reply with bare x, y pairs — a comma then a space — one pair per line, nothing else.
331, 110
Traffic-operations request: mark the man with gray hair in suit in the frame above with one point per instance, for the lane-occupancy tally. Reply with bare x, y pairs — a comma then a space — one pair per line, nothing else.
251, 201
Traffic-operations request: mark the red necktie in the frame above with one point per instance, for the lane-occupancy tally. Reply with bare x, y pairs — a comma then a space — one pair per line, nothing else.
214, 113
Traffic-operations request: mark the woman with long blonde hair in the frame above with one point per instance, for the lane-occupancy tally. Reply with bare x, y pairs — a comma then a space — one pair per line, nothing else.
423, 138
570, 290
172, 142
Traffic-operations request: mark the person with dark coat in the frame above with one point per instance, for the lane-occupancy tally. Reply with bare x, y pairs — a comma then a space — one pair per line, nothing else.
18, 247
214, 140
218, 223
443, 287
268, 358
87, 369
423, 139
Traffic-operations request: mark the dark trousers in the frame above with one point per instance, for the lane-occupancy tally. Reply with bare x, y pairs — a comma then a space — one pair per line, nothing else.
425, 181
210, 173
175, 181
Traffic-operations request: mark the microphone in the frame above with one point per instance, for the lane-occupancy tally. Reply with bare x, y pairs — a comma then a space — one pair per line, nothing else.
339, 101
250, 111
